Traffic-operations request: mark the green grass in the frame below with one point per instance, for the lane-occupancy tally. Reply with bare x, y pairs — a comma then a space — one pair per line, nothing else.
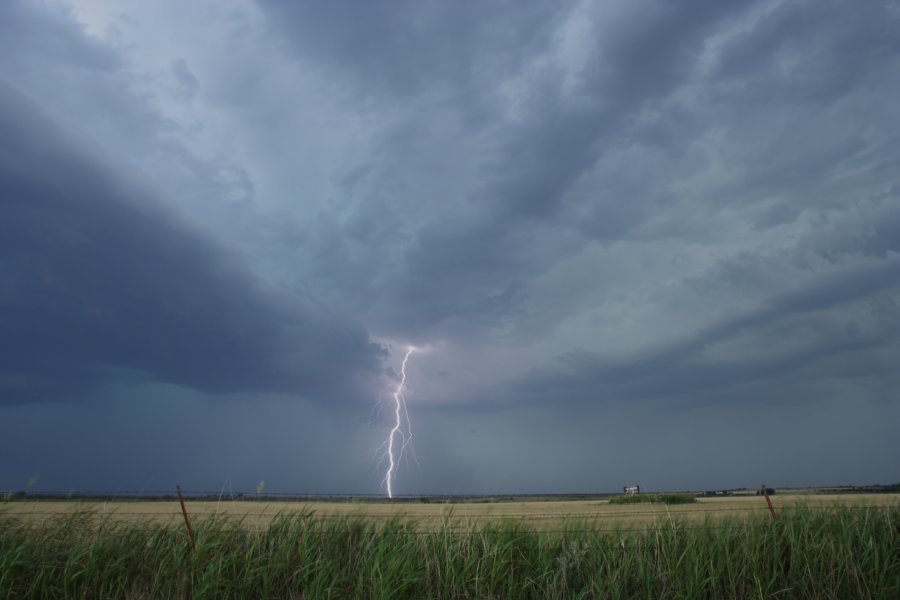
834, 553
653, 498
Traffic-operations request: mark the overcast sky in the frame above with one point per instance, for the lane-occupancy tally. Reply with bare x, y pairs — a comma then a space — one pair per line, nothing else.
634, 242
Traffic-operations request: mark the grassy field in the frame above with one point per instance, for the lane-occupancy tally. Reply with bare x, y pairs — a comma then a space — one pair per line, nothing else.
539, 515
837, 547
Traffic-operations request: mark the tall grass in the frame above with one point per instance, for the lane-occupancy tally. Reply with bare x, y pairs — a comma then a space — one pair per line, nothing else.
836, 553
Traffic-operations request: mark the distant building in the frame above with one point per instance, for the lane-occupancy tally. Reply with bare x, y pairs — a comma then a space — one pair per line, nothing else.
634, 489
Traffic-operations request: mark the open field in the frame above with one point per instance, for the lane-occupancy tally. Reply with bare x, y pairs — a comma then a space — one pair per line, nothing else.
847, 547
540, 515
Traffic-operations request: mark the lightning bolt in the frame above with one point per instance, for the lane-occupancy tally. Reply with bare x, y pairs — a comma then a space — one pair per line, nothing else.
399, 414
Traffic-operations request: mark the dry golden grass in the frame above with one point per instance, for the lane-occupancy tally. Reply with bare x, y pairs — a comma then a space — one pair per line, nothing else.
542, 515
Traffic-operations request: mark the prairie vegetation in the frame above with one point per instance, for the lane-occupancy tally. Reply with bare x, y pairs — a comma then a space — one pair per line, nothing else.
654, 499
836, 552
534, 514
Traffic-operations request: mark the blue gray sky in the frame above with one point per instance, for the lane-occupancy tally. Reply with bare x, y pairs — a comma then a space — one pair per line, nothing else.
635, 242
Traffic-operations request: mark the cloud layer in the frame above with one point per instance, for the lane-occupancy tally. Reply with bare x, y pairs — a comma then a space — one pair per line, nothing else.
588, 211
99, 279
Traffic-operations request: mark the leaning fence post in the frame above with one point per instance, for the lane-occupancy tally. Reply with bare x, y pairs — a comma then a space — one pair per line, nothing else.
187, 522
765, 492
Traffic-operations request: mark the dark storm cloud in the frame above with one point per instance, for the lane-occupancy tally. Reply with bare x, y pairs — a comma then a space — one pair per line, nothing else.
808, 53
458, 266
642, 61
96, 279
653, 81
600, 220
786, 87
532, 164
820, 345
451, 49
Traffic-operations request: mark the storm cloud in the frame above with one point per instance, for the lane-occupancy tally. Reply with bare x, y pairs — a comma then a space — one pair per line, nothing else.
97, 281
598, 221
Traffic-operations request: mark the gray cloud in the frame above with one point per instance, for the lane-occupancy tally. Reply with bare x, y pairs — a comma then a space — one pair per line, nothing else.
97, 278
454, 51
571, 167
805, 343
594, 218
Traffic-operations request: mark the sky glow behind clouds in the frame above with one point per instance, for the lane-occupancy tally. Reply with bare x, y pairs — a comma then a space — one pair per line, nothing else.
613, 224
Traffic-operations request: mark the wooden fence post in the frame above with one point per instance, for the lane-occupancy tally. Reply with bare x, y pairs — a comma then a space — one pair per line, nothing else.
765, 492
187, 522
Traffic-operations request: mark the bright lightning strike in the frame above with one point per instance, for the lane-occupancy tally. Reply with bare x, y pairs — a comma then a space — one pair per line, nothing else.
405, 438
